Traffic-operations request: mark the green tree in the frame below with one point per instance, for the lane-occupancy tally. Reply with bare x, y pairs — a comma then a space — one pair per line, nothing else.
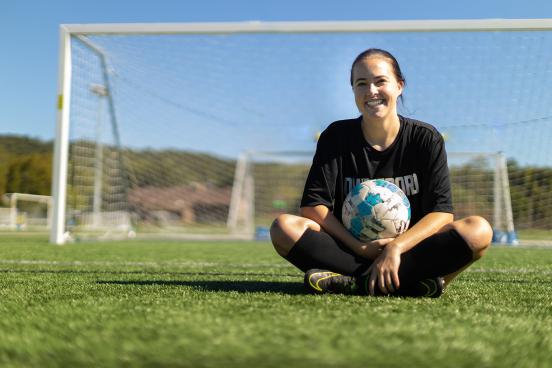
5, 159
30, 174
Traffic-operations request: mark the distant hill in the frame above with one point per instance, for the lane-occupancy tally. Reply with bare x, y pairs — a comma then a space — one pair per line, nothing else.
25, 165
22, 145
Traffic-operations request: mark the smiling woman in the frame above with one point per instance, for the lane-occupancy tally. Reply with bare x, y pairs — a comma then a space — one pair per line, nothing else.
380, 144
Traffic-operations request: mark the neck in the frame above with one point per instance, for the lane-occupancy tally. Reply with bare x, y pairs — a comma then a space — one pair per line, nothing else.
381, 133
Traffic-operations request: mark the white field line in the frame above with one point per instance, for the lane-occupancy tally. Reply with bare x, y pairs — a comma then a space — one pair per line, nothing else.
540, 270
138, 264
191, 264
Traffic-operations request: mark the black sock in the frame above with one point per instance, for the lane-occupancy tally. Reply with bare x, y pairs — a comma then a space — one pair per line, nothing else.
317, 249
438, 255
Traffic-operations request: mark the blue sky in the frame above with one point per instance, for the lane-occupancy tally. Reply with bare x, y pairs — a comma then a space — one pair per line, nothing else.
29, 35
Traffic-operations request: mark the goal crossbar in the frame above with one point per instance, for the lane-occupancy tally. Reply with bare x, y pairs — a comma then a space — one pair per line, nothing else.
313, 26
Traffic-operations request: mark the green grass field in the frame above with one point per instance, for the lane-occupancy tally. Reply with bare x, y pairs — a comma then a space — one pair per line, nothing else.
140, 303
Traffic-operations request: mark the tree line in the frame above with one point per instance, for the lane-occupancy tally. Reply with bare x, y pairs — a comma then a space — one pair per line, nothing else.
27, 166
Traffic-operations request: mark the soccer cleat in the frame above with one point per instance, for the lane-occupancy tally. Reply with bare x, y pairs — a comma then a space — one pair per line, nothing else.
428, 288
328, 282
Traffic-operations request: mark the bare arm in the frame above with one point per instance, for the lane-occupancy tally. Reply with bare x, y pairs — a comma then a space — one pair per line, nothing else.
427, 226
326, 219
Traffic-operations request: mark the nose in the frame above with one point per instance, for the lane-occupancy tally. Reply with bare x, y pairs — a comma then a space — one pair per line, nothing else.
373, 89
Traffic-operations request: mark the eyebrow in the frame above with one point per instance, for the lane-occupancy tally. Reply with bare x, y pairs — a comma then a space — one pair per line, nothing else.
365, 79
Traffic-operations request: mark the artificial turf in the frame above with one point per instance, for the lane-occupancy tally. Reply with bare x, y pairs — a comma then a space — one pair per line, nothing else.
145, 303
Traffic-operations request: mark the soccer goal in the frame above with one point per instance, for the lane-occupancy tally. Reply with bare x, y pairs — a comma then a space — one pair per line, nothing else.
480, 185
199, 130
26, 211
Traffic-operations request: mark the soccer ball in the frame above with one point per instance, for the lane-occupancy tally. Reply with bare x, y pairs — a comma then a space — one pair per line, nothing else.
376, 209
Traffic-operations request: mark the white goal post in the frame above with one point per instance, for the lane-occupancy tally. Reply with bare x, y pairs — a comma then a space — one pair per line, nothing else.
160, 126
39, 206
480, 185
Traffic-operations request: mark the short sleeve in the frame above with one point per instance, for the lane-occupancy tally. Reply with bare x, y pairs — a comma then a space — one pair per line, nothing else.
321, 180
438, 194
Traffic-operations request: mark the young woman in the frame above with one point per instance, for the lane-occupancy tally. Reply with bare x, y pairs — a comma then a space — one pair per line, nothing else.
379, 144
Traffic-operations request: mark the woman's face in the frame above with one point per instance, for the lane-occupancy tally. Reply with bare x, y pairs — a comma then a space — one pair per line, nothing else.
376, 88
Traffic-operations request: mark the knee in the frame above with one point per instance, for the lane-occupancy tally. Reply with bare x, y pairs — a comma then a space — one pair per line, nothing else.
279, 226
477, 232
280, 233
287, 229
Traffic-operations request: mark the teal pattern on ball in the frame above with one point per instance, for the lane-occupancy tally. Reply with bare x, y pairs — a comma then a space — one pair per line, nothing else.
364, 208
356, 190
356, 226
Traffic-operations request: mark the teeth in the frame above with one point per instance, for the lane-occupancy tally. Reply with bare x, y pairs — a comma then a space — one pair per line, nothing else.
374, 102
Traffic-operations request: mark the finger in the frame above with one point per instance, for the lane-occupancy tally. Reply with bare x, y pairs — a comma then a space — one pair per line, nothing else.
382, 242
389, 282
372, 282
366, 286
381, 283
396, 280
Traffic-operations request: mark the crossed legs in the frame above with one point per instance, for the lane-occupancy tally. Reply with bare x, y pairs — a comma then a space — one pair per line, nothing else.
475, 231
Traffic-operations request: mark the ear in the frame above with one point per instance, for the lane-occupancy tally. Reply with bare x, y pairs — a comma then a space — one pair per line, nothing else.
401, 86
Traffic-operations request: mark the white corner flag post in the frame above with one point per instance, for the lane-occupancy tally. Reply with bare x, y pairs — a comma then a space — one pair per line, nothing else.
61, 145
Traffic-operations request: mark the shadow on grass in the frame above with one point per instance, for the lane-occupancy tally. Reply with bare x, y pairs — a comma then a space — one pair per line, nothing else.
293, 288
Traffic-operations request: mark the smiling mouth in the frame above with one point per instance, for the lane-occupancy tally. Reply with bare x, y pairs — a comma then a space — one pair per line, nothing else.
374, 103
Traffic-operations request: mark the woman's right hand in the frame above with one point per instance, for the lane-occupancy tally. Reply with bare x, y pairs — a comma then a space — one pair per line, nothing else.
373, 249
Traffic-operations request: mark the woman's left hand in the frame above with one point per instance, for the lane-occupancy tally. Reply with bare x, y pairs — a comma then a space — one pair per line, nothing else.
384, 272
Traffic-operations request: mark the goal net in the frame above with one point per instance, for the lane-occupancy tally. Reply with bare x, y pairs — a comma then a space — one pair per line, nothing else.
26, 211
199, 130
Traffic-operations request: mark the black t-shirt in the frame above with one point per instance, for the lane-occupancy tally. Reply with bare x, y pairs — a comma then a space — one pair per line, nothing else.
416, 161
